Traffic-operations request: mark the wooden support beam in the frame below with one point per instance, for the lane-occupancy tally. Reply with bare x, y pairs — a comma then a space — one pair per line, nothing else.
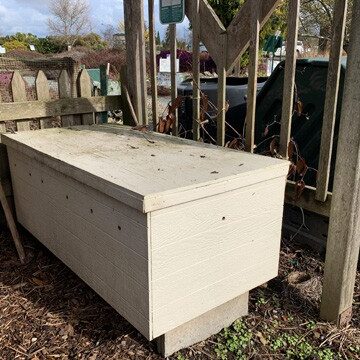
65, 106
307, 200
252, 80
135, 57
211, 29
196, 26
238, 31
331, 100
221, 100
344, 229
289, 81
173, 57
153, 67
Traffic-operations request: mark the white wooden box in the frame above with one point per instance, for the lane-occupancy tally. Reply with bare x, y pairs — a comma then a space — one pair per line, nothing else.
163, 229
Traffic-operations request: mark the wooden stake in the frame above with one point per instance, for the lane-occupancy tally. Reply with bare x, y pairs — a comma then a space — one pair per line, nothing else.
331, 100
153, 67
173, 56
289, 81
252, 83
196, 69
12, 225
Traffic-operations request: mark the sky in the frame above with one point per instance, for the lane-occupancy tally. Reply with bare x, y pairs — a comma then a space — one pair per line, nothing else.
30, 16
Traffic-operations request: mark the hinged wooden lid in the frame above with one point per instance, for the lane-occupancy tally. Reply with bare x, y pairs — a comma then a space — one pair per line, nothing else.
147, 171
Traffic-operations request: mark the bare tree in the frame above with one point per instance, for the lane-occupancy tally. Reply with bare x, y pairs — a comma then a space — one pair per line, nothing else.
69, 19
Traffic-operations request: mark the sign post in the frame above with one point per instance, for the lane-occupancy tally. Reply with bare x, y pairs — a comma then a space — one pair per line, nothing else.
172, 11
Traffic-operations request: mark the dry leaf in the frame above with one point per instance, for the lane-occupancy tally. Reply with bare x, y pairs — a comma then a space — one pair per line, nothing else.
299, 188
291, 149
235, 144
299, 106
177, 103
292, 170
261, 338
301, 167
274, 146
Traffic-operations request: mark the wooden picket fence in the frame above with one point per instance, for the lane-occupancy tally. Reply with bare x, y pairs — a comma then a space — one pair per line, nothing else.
71, 107
45, 112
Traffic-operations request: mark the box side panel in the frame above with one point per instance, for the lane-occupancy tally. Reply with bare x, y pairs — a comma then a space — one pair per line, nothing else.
101, 240
207, 252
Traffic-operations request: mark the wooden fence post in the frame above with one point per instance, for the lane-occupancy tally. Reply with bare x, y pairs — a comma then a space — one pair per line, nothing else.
289, 81
135, 57
104, 90
43, 93
65, 92
344, 229
253, 69
196, 69
331, 100
19, 94
85, 90
173, 57
153, 66
221, 100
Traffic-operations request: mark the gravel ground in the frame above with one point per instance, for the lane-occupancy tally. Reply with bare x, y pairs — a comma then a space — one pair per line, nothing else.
47, 312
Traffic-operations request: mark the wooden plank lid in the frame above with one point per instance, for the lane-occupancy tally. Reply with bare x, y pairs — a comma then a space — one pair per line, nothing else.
145, 170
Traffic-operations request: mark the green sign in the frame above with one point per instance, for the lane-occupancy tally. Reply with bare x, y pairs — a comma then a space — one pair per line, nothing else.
172, 11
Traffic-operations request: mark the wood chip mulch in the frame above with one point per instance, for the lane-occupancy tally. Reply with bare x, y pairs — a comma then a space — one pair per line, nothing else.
47, 312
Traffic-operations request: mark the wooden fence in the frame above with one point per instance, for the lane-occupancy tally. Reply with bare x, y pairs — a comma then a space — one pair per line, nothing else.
68, 109
226, 46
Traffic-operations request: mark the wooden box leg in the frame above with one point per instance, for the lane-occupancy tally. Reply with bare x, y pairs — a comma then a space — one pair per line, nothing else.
203, 326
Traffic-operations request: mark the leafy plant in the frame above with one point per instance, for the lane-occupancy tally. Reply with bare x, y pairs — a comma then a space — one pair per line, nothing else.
235, 340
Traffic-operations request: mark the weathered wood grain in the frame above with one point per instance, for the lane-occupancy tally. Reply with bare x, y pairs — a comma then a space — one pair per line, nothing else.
43, 94
211, 27
331, 100
238, 31
65, 93
308, 200
85, 90
221, 94
135, 55
252, 80
19, 95
289, 77
343, 242
65, 106
173, 57
153, 66
196, 28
